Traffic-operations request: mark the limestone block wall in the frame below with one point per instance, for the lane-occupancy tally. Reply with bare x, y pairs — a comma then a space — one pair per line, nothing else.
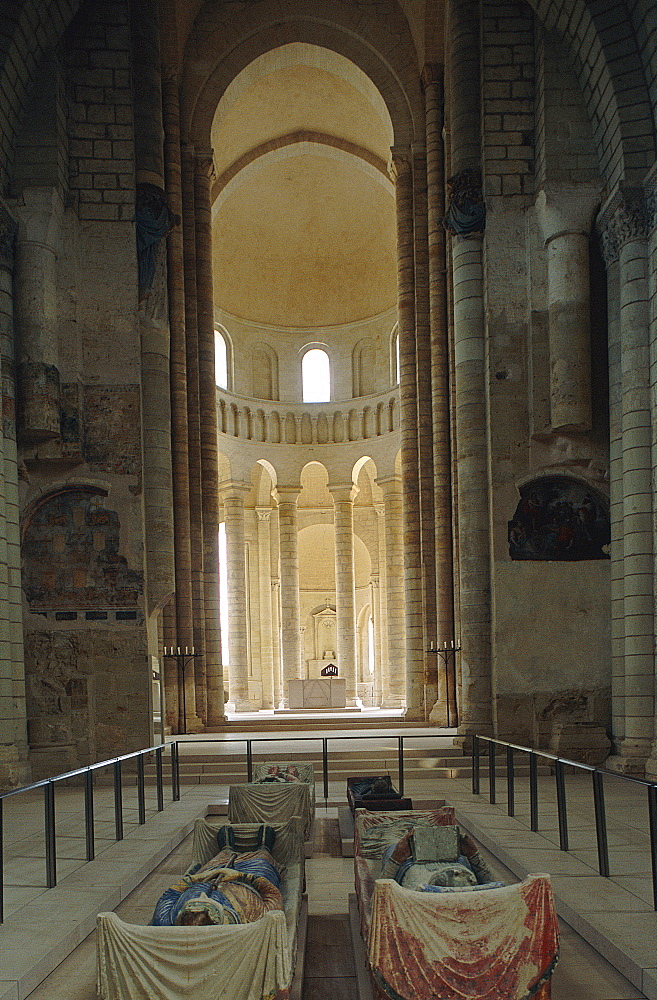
84, 590
551, 666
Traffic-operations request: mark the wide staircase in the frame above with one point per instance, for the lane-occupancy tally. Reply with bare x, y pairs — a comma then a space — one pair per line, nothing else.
366, 750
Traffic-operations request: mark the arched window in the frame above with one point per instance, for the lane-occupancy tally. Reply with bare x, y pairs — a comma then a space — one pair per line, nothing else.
220, 360
316, 376
394, 355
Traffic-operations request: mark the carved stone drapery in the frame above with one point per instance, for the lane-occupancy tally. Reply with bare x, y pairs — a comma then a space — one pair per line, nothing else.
466, 213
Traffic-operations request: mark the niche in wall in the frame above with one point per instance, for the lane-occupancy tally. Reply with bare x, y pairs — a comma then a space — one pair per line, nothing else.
559, 518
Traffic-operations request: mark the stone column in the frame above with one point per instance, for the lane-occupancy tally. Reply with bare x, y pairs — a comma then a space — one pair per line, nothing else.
470, 367
345, 590
279, 694
290, 624
381, 629
14, 767
35, 307
233, 497
414, 659
626, 214
188, 167
566, 215
651, 210
265, 624
208, 425
394, 685
610, 250
184, 616
432, 80
378, 644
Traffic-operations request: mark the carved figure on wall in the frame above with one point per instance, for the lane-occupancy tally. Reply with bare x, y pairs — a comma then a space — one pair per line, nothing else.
558, 518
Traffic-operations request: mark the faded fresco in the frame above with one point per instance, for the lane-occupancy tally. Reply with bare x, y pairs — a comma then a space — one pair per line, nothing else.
71, 555
558, 518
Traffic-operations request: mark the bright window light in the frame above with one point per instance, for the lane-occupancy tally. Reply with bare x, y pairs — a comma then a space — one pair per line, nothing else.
316, 376
220, 360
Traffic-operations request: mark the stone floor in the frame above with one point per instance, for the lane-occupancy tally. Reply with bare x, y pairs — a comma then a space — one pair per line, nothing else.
53, 929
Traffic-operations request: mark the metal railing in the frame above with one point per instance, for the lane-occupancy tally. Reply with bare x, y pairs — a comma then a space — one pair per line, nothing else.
560, 763
87, 774
249, 741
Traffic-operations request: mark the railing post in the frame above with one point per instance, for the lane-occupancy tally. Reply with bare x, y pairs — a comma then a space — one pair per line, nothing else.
491, 772
325, 765
2, 866
652, 815
600, 823
158, 779
141, 801
475, 765
51, 854
533, 791
118, 801
400, 756
89, 814
175, 772
249, 761
561, 805
510, 783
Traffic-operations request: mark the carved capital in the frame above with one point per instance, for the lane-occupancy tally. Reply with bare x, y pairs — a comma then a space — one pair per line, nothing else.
8, 231
651, 200
264, 513
399, 162
624, 218
432, 73
466, 214
205, 163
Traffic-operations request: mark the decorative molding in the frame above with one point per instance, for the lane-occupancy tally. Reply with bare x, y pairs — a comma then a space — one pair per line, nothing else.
466, 215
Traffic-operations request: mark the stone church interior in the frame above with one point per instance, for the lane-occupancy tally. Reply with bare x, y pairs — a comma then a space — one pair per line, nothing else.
328, 343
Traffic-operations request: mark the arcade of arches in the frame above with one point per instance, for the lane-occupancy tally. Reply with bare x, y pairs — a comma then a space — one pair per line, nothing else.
456, 202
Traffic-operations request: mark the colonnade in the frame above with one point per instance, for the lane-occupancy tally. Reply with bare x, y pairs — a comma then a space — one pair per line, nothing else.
265, 617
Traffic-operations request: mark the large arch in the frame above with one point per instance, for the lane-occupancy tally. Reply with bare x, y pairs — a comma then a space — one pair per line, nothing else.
380, 46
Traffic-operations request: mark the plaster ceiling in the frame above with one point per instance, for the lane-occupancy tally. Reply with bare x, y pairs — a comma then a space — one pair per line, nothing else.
304, 215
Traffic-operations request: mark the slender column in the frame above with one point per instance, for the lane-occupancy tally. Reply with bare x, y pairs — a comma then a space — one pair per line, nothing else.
432, 79
233, 497
566, 214
193, 419
290, 610
178, 367
415, 698
208, 425
381, 629
378, 644
279, 694
14, 768
345, 589
264, 588
470, 368
627, 214
394, 687
424, 420
35, 291
610, 250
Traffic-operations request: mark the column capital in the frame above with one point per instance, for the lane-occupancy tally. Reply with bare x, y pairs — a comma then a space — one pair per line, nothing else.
567, 209
343, 494
286, 494
651, 198
234, 491
390, 486
399, 163
205, 163
622, 219
432, 73
379, 509
264, 513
